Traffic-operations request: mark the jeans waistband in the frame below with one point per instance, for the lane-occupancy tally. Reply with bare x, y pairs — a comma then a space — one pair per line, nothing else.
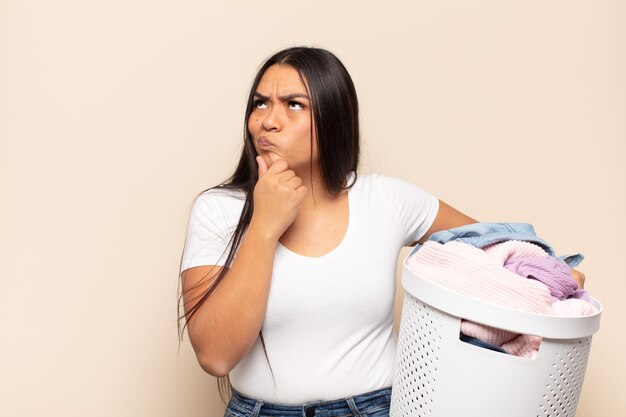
354, 404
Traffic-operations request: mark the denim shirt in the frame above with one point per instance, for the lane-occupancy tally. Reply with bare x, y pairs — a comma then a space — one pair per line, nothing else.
485, 234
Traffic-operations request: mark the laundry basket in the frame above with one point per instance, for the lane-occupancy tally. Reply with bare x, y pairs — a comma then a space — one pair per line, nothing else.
438, 375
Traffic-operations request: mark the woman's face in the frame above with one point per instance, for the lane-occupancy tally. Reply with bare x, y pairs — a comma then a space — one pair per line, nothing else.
280, 122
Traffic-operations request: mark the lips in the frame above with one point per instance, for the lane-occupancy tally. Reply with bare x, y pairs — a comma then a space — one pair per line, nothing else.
264, 143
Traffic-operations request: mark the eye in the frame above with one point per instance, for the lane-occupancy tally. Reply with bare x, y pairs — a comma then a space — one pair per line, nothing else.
300, 106
258, 103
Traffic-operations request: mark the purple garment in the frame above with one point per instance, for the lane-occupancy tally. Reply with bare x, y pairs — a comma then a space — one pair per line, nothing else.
549, 271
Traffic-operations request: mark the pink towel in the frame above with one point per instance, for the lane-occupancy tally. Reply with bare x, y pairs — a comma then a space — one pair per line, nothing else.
504, 251
469, 271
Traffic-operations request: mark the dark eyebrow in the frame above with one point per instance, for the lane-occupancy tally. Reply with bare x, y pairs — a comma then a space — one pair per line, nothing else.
283, 98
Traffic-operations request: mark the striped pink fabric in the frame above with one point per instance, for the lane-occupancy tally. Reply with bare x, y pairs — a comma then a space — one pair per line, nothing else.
480, 274
470, 271
502, 252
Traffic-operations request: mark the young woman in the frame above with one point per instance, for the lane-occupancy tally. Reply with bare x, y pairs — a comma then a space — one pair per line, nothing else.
288, 272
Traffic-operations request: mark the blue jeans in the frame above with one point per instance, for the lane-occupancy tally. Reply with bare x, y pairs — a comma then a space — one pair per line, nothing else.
371, 404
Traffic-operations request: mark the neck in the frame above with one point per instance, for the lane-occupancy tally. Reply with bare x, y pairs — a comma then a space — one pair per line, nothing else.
315, 185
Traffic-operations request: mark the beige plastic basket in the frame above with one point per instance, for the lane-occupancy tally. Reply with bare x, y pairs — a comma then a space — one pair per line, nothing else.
438, 375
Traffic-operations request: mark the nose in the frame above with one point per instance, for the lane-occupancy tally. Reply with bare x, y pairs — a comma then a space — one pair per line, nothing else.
272, 119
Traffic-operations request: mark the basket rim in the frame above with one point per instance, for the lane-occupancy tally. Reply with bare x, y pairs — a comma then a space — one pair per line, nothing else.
468, 308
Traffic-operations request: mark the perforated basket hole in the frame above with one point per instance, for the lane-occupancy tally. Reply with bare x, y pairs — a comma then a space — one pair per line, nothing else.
418, 353
566, 378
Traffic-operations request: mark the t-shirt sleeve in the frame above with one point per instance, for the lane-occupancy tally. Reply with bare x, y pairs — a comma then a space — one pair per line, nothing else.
209, 231
414, 207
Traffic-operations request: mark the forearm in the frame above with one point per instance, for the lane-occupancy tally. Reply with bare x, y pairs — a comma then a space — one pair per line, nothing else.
227, 324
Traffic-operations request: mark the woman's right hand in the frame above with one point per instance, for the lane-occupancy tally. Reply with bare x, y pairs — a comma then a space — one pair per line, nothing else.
278, 195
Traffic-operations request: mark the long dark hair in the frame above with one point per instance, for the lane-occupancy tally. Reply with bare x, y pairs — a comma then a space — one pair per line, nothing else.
334, 110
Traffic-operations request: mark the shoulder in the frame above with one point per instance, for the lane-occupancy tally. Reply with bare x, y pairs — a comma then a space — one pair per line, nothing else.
385, 184
414, 208
222, 199
400, 194
222, 195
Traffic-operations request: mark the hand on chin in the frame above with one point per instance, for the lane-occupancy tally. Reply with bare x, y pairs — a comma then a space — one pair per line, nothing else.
270, 158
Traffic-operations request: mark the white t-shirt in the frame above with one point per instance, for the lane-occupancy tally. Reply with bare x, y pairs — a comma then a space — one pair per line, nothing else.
328, 327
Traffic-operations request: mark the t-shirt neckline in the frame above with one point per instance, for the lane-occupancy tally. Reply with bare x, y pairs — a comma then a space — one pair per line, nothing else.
346, 235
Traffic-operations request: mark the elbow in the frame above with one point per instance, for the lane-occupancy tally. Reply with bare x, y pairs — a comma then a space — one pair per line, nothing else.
213, 362
217, 368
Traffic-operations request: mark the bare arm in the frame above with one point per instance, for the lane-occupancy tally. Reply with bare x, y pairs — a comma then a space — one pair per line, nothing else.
224, 328
227, 324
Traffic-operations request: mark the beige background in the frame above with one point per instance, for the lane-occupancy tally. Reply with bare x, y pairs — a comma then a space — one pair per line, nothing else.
114, 115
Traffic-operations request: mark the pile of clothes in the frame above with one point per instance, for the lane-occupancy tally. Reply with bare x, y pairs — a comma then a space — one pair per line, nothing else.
504, 264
